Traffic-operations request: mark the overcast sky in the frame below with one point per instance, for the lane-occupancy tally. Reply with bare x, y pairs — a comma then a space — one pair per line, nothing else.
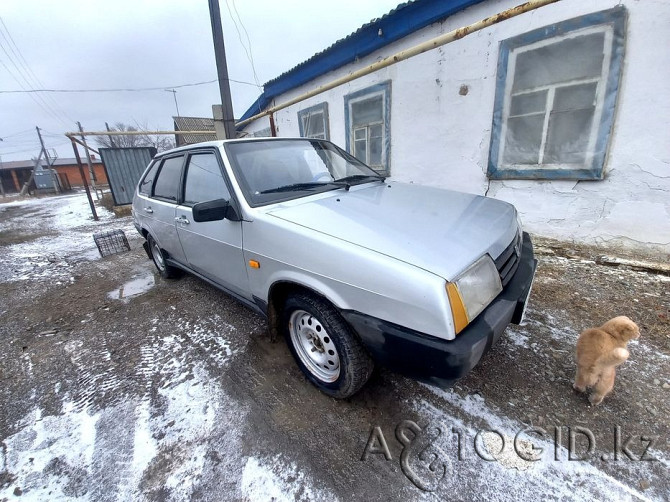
77, 44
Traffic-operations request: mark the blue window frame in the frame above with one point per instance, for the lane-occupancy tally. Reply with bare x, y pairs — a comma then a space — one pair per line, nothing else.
556, 92
367, 117
313, 122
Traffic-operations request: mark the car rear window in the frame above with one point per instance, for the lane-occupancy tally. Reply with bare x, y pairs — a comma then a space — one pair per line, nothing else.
148, 181
167, 184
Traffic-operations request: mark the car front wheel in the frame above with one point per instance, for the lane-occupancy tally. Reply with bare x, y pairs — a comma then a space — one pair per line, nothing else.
326, 349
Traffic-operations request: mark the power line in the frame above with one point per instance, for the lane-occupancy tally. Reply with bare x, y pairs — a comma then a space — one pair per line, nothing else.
37, 102
128, 89
26, 66
247, 51
38, 99
14, 143
35, 147
20, 133
21, 151
251, 53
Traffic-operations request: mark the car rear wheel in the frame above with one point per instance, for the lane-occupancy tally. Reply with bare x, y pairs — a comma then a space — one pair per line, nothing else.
326, 349
158, 256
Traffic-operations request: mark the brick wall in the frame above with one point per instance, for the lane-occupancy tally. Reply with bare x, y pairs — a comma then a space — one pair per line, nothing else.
72, 173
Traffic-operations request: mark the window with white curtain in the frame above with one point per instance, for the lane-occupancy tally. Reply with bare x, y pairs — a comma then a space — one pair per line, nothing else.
555, 99
367, 117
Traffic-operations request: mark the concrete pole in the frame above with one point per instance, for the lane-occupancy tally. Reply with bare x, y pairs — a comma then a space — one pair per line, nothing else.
91, 174
32, 174
54, 178
222, 69
2, 187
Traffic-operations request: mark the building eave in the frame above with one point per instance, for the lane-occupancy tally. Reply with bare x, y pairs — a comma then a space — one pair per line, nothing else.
405, 19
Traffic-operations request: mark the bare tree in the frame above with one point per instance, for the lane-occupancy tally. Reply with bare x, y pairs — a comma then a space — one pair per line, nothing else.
161, 143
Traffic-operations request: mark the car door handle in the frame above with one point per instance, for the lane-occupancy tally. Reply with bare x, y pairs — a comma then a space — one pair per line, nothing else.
148, 210
181, 219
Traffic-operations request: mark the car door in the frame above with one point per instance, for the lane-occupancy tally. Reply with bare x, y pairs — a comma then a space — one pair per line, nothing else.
212, 248
142, 210
162, 205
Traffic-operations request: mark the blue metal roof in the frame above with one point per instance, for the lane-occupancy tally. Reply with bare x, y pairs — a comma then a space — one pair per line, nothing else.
405, 19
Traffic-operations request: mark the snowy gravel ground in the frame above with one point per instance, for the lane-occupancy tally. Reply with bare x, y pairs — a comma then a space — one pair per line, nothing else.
51, 235
118, 385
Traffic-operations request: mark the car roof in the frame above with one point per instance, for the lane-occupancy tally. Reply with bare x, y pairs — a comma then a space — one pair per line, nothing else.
221, 142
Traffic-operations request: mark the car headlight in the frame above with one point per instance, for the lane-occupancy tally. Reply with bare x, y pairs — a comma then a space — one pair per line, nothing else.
472, 291
518, 222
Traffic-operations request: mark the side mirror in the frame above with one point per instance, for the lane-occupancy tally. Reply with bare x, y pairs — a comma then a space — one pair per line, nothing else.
212, 210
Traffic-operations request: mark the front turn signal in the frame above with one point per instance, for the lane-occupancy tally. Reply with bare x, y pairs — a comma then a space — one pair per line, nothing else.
458, 312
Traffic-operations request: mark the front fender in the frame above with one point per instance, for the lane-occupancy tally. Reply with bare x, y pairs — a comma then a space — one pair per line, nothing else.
320, 285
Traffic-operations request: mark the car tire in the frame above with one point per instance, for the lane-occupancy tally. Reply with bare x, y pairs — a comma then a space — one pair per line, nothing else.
158, 256
325, 347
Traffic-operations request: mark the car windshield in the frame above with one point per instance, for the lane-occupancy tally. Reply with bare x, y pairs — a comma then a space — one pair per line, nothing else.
276, 170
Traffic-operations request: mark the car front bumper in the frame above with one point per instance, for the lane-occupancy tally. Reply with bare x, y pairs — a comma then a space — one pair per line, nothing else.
441, 362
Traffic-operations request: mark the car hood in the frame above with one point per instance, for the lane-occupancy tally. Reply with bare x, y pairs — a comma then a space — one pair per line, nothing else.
438, 230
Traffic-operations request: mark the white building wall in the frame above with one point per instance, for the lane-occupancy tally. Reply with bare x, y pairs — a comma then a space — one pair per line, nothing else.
440, 137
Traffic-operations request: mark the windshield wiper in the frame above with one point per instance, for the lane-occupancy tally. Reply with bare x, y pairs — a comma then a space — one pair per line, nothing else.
296, 186
346, 181
342, 182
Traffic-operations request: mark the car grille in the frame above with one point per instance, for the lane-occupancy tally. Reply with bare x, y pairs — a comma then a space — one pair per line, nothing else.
508, 261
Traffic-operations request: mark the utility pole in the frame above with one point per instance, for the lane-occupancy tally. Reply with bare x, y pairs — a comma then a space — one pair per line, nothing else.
111, 140
2, 187
83, 177
49, 164
91, 174
26, 185
222, 69
174, 94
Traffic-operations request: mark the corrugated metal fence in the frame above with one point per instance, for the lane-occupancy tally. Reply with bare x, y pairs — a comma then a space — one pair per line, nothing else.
124, 167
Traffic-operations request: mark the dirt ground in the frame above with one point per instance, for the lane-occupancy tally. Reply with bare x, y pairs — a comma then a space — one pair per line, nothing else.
118, 385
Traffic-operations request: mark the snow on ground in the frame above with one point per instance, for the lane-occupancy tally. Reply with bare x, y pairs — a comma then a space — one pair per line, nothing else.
68, 237
278, 479
508, 476
652, 364
171, 436
38, 453
69, 456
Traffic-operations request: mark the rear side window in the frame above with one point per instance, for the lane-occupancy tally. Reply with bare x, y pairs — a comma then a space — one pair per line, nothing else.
204, 181
167, 184
148, 181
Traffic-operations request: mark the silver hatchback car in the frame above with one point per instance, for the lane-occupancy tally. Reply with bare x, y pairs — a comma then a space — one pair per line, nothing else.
351, 269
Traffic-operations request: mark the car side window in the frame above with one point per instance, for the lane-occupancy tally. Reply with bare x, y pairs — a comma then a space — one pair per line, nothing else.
204, 180
148, 180
169, 177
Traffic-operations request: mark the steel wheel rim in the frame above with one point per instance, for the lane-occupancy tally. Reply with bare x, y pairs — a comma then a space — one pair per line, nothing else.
158, 256
314, 346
